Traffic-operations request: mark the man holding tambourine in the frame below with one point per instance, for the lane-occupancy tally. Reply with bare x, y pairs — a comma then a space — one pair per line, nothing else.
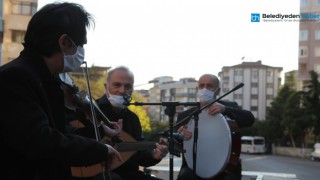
213, 121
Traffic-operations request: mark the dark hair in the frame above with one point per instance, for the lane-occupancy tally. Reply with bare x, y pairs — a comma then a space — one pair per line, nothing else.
53, 20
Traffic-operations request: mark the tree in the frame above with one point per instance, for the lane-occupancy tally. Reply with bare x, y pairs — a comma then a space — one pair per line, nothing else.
294, 122
312, 103
156, 126
141, 113
295, 114
96, 84
257, 129
274, 117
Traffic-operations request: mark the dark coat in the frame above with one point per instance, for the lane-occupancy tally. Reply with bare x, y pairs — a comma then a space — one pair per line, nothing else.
243, 118
131, 125
34, 141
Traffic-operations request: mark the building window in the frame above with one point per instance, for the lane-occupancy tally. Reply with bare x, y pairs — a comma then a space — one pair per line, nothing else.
225, 78
24, 8
254, 96
317, 51
269, 85
225, 85
304, 3
316, 68
238, 72
254, 74
317, 34
254, 108
269, 97
238, 96
226, 72
254, 84
303, 35
191, 90
303, 68
163, 93
172, 92
303, 51
269, 74
18, 36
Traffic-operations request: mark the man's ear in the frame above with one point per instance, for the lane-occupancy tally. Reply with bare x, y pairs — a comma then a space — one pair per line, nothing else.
217, 92
64, 42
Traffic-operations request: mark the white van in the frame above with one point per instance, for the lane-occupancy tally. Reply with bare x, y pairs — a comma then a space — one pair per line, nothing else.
253, 144
315, 155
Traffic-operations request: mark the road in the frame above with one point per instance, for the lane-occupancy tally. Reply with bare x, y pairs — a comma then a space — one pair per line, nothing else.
304, 169
271, 167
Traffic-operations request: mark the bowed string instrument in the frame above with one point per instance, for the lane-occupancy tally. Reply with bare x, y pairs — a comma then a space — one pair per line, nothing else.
75, 99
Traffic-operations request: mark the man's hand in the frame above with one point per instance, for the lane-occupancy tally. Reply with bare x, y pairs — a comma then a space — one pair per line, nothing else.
186, 133
112, 154
115, 130
161, 151
216, 108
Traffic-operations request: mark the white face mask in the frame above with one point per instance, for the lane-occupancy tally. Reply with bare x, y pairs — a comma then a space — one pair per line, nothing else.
205, 96
73, 62
116, 101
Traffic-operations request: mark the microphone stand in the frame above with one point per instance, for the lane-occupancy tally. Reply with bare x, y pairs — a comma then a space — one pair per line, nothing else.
195, 114
170, 111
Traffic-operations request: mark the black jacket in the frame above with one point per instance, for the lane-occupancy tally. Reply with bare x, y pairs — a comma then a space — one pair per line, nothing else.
131, 125
243, 118
34, 141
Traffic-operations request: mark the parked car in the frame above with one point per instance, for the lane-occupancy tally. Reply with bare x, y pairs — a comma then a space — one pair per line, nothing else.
315, 155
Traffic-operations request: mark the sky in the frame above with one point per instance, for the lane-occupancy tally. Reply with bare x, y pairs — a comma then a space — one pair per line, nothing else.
188, 38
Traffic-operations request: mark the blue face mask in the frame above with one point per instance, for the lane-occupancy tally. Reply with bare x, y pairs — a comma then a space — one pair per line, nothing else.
73, 62
205, 96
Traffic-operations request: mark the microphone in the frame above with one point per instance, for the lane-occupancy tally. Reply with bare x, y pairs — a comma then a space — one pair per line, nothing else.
177, 136
237, 87
127, 98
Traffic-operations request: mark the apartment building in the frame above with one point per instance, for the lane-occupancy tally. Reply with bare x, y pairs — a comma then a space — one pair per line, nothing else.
309, 41
167, 90
16, 16
261, 85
